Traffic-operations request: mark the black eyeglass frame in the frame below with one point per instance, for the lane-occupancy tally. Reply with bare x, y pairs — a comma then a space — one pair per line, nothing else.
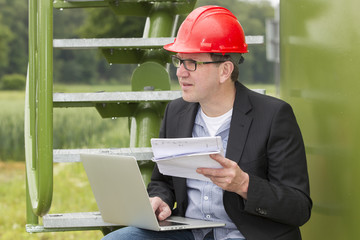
183, 61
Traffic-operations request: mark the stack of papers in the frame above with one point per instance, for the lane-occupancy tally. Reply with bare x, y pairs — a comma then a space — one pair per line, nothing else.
180, 157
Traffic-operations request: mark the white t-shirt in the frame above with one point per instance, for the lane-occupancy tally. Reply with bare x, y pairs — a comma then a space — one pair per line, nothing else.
214, 123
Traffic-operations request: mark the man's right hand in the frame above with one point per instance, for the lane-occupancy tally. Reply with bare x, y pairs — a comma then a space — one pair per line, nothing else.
161, 209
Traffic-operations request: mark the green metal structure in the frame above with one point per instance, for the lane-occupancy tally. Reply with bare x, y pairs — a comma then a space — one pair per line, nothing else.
143, 106
320, 59
144, 110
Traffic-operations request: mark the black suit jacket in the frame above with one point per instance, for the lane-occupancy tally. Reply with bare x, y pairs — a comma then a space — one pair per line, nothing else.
266, 142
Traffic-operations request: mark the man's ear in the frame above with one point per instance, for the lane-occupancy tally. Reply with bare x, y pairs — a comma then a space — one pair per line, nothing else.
226, 70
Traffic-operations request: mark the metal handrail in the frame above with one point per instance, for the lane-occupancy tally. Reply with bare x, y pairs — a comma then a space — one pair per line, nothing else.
38, 110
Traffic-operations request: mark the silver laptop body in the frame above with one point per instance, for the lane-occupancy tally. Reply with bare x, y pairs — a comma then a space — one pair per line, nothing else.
122, 198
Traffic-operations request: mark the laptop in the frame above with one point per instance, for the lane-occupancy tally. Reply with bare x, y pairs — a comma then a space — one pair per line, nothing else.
122, 198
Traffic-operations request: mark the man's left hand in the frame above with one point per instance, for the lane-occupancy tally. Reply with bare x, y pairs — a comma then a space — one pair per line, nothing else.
230, 177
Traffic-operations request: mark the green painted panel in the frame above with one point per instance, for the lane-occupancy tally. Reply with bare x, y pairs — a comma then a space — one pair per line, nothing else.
150, 75
320, 65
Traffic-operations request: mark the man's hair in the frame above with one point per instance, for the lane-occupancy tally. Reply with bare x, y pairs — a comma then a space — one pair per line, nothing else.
235, 73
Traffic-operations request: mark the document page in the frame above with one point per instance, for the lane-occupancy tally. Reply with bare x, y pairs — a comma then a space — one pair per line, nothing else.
181, 157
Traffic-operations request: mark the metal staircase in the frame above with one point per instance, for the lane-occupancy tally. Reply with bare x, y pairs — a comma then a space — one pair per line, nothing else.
144, 105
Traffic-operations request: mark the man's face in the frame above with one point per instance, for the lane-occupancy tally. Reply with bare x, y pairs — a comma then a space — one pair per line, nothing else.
200, 85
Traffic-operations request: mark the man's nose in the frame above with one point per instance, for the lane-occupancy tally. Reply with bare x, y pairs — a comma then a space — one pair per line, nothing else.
181, 71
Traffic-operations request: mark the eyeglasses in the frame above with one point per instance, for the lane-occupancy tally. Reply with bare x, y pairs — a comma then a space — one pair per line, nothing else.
189, 64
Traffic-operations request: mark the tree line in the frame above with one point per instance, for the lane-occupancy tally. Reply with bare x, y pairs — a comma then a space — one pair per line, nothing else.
88, 66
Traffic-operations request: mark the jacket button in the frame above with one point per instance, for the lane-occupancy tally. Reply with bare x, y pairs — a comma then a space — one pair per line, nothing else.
261, 211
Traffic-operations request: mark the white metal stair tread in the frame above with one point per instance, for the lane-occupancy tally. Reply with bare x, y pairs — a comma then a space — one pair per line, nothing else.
104, 97
114, 97
112, 42
75, 220
85, 43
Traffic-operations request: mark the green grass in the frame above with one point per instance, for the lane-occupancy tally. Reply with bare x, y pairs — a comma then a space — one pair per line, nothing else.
11, 125
72, 193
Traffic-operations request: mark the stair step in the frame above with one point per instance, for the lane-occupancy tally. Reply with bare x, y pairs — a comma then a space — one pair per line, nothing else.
79, 3
90, 99
75, 220
128, 7
134, 43
255, 39
141, 43
73, 155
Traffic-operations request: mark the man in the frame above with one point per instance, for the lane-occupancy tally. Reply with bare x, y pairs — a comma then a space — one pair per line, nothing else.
262, 191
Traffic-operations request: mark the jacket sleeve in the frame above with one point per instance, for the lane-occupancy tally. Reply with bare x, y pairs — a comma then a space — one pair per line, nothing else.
284, 195
160, 185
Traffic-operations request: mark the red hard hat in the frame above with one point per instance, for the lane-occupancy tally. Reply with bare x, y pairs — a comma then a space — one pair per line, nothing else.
209, 29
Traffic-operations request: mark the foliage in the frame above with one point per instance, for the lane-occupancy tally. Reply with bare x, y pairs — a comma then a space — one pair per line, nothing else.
6, 36
103, 23
89, 66
73, 66
13, 36
13, 82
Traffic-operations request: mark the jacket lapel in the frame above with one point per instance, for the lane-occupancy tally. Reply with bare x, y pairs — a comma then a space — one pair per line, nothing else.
185, 124
240, 123
186, 120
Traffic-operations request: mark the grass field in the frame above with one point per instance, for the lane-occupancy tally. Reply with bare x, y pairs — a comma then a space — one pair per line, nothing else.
72, 193
71, 189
